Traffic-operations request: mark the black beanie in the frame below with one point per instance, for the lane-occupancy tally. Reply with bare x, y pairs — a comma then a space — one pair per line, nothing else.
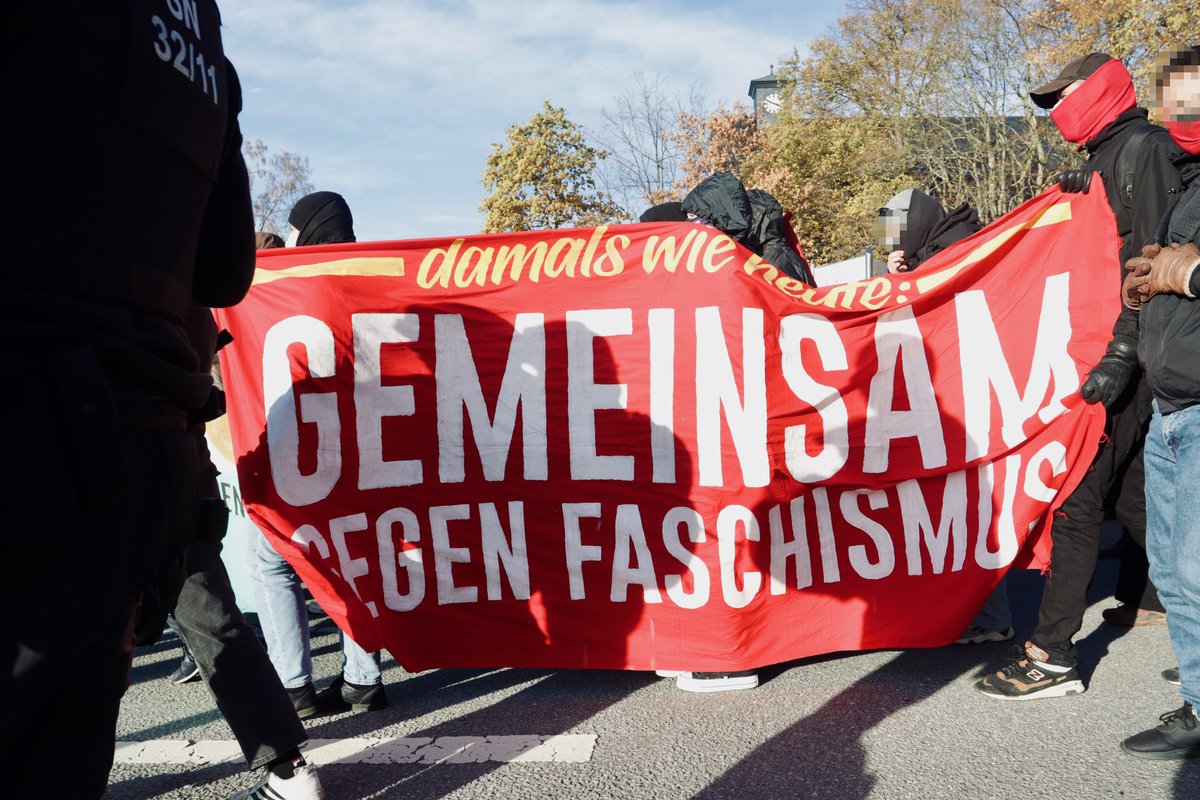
322, 218
664, 212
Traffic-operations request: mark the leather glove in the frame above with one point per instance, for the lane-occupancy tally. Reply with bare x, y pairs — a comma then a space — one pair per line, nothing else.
1137, 280
1171, 271
1111, 375
1075, 181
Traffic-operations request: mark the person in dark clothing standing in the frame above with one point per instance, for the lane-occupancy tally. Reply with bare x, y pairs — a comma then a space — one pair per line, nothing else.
912, 227
1094, 107
144, 160
1162, 287
318, 218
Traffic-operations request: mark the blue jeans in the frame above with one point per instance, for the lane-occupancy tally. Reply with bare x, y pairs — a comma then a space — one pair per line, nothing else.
284, 618
1173, 533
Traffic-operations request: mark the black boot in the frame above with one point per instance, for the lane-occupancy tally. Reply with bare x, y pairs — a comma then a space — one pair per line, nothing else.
341, 696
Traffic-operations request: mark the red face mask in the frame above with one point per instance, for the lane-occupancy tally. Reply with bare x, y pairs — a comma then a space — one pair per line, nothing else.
1186, 134
1105, 95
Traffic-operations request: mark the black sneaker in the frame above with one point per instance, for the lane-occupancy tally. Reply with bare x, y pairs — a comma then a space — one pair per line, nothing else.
343, 696
187, 670
1172, 676
1024, 679
1177, 737
716, 681
304, 700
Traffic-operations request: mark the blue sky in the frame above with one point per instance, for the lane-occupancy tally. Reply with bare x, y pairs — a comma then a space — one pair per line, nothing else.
397, 102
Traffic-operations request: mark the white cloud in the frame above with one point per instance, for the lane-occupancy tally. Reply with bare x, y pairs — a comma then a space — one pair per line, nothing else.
397, 102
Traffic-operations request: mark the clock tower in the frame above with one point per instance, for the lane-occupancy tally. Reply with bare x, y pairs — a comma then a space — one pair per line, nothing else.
764, 92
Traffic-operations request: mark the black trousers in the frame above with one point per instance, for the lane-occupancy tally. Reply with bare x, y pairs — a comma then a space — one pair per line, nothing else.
95, 501
232, 661
1115, 480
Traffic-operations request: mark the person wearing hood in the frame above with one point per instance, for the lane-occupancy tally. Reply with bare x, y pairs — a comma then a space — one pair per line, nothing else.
1093, 104
318, 218
913, 226
1163, 286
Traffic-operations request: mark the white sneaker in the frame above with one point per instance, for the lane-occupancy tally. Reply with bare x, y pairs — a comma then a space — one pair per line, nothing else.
303, 785
977, 635
669, 673
717, 681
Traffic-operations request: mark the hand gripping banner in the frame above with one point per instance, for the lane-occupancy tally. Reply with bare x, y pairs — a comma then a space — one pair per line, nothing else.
643, 447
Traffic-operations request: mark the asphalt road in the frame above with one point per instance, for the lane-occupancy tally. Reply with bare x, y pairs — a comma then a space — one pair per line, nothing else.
887, 724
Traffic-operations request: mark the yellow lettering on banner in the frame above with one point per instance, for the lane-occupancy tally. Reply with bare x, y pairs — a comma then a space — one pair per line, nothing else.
612, 253
1055, 214
876, 293
719, 244
467, 272
574, 248
444, 260
518, 255
667, 250
350, 267
585, 269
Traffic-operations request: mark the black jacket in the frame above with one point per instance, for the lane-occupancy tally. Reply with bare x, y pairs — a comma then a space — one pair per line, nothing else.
132, 196
1156, 183
959, 223
753, 218
1169, 347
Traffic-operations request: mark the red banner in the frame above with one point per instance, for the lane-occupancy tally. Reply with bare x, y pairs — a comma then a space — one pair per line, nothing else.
642, 447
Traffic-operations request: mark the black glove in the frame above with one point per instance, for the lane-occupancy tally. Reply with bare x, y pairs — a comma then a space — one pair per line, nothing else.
1111, 375
1075, 181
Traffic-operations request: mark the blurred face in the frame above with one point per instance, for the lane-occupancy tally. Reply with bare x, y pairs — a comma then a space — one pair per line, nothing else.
1179, 98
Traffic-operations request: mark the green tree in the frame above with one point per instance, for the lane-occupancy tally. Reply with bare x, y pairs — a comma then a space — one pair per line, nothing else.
543, 177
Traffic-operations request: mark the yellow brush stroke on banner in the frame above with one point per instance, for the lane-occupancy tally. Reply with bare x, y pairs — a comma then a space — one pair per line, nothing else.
349, 267
1059, 212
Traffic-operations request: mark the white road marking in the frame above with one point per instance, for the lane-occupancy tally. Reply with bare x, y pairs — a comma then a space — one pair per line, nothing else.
562, 749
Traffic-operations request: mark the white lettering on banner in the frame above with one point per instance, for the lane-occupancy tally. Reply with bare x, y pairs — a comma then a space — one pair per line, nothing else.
859, 558
408, 559
445, 556
316, 408
717, 392
898, 339
729, 520
730, 398
594, 533
576, 551
585, 397
373, 400
984, 367
826, 400
351, 569
951, 529
689, 518
631, 546
498, 550
661, 325
458, 387
783, 549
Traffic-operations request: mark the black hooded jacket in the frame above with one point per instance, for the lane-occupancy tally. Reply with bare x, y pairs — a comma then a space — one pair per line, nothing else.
1156, 184
753, 218
1170, 323
322, 218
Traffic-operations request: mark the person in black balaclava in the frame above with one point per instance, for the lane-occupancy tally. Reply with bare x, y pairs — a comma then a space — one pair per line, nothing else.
664, 212
318, 218
321, 218
913, 226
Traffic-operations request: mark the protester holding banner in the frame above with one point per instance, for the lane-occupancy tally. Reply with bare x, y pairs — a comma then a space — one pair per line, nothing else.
1164, 283
317, 218
1094, 107
912, 226
145, 162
